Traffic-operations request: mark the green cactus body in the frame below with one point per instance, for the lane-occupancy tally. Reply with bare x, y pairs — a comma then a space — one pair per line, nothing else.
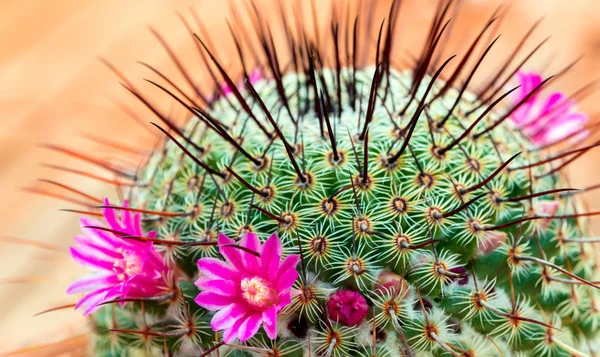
410, 217
377, 178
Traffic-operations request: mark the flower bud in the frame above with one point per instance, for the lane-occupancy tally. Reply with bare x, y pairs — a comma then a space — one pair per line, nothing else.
390, 281
347, 307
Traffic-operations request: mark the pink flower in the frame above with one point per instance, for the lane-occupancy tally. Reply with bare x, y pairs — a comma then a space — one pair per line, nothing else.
253, 77
347, 307
124, 268
547, 120
249, 288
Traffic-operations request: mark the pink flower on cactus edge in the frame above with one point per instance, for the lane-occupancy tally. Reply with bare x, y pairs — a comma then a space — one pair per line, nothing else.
547, 120
249, 288
124, 268
253, 77
347, 307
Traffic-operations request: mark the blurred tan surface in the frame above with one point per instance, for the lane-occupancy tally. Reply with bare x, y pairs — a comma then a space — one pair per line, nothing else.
53, 90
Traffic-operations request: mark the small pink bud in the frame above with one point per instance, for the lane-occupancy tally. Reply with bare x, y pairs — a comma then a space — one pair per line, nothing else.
492, 241
390, 281
347, 307
546, 208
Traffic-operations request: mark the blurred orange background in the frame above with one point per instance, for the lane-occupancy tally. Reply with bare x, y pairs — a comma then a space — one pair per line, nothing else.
54, 90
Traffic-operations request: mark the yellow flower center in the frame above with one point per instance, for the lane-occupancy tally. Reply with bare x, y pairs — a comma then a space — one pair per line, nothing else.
129, 265
258, 293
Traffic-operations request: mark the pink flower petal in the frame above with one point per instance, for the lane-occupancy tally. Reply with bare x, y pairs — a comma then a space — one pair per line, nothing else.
87, 259
548, 120
580, 136
121, 292
152, 256
126, 218
98, 235
251, 261
286, 280
528, 82
91, 282
122, 220
212, 301
287, 274
575, 117
137, 224
288, 263
226, 89
110, 216
214, 268
231, 254
249, 327
553, 102
255, 75
87, 242
146, 285
549, 115
230, 334
271, 256
91, 300
285, 298
269, 318
568, 125
226, 318
219, 286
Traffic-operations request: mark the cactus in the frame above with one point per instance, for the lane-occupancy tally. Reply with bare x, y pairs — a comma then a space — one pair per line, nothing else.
426, 219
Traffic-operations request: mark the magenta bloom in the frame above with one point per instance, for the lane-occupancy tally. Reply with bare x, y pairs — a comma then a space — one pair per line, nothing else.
347, 307
246, 290
124, 268
547, 120
253, 77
